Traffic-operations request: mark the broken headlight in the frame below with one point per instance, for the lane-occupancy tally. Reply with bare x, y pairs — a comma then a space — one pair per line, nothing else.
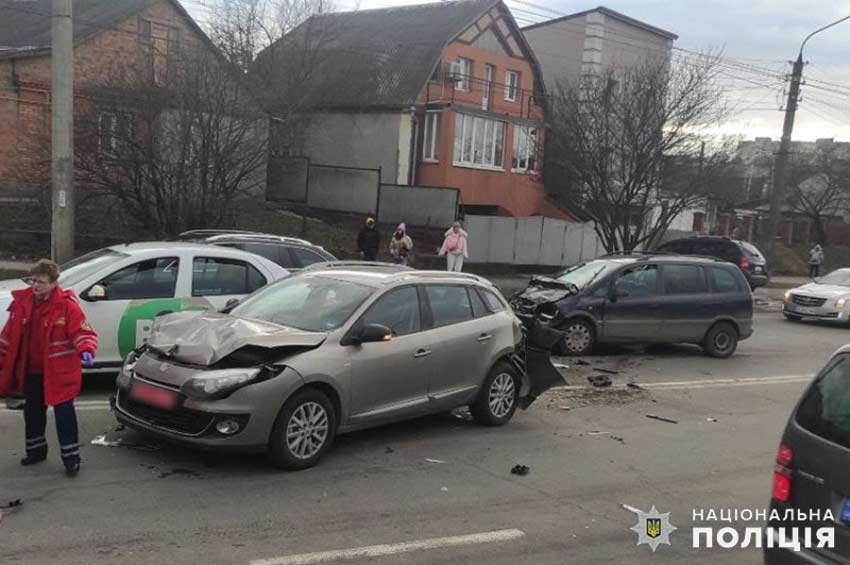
218, 384
549, 310
127, 369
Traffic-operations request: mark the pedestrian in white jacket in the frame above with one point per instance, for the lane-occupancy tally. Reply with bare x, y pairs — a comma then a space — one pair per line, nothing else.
455, 248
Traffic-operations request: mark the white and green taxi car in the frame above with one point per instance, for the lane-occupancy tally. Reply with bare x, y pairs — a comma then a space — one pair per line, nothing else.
124, 287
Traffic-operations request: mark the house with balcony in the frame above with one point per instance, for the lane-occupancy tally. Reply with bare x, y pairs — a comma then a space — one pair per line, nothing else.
444, 95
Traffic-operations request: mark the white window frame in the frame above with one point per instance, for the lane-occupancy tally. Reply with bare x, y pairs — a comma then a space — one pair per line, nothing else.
463, 73
473, 128
511, 85
431, 137
489, 77
524, 149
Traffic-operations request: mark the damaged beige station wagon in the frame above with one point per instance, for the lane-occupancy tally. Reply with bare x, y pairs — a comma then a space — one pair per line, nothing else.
337, 348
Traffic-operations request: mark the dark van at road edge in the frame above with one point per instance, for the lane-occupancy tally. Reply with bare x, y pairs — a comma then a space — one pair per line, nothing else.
643, 299
744, 254
811, 474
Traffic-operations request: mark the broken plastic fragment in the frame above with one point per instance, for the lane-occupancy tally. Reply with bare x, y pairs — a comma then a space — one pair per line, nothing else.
521, 470
101, 440
634, 385
662, 419
11, 504
435, 461
599, 380
445, 489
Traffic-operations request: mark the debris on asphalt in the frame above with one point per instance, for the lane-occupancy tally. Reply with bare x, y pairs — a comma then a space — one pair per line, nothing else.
445, 489
581, 362
711, 419
661, 419
607, 371
631, 509
389, 450
634, 386
560, 366
462, 414
599, 380
179, 471
565, 408
618, 438
521, 470
11, 504
119, 428
596, 433
102, 441
439, 461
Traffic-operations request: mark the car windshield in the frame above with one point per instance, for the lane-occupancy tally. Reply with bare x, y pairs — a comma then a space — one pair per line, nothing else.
841, 277
308, 302
825, 410
584, 274
77, 270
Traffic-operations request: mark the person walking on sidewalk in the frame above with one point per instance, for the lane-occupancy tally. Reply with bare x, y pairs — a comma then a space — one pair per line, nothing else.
369, 241
816, 257
41, 349
455, 248
401, 245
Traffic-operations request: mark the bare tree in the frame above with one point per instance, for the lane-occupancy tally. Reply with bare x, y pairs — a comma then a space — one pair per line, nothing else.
628, 149
175, 149
821, 190
243, 28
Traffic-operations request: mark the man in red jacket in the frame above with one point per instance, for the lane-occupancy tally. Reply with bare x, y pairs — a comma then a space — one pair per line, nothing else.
41, 346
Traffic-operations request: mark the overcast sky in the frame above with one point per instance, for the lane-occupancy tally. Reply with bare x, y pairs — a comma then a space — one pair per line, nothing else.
764, 34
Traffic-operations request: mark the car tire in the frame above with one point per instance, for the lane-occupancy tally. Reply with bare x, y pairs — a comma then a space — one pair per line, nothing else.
499, 396
579, 339
791, 318
284, 449
721, 341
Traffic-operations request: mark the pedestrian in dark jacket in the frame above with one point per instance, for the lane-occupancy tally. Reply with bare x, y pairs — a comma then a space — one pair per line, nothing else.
41, 348
369, 241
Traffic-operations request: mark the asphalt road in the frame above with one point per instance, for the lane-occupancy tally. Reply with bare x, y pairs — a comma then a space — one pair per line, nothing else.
589, 451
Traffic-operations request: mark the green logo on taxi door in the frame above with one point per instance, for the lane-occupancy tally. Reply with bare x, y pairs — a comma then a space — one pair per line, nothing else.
134, 329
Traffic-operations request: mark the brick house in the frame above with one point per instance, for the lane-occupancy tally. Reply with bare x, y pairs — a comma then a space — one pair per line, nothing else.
438, 95
106, 33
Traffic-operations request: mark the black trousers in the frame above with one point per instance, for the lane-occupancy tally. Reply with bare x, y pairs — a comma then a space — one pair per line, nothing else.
814, 270
35, 421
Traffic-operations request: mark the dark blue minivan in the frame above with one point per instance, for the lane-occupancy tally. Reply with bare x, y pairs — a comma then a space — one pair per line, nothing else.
643, 299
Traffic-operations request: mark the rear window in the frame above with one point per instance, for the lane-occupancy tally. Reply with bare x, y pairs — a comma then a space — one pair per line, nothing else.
723, 280
825, 411
751, 250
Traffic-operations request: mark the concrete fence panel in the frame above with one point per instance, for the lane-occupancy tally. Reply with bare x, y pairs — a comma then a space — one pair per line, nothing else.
418, 205
502, 240
343, 189
552, 244
529, 237
287, 180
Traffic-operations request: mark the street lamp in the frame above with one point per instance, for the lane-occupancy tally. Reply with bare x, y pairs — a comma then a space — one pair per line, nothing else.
780, 171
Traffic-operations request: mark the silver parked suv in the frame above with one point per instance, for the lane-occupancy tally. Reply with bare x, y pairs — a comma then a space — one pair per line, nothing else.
336, 348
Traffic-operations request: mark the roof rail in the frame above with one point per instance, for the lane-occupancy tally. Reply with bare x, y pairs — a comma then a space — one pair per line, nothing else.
342, 264
259, 237
627, 253
212, 232
445, 275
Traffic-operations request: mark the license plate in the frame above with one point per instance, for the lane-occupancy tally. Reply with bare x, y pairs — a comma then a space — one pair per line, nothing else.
757, 269
805, 310
845, 513
155, 396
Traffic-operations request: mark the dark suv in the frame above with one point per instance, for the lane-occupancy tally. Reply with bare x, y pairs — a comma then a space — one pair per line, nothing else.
643, 299
748, 258
811, 475
290, 253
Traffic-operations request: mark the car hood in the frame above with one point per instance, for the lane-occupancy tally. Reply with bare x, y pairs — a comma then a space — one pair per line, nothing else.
822, 290
211, 338
543, 290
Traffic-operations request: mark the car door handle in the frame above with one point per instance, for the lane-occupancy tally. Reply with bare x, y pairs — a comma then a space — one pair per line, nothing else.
422, 353
483, 338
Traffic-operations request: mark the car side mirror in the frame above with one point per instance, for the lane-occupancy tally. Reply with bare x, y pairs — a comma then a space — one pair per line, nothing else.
231, 304
372, 333
95, 293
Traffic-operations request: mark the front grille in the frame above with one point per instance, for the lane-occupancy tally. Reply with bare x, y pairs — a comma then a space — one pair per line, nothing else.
809, 301
181, 420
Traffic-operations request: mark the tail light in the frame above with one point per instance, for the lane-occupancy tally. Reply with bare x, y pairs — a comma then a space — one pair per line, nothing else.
782, 474
744, 263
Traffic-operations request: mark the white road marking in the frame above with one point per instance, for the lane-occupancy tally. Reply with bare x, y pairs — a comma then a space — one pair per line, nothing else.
373, 551
708, 382
79, 405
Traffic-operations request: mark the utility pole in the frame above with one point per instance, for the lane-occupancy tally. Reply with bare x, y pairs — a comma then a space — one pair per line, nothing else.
780, 169
62, 138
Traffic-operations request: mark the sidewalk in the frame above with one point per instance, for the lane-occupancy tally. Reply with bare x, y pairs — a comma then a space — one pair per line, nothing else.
15, 266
